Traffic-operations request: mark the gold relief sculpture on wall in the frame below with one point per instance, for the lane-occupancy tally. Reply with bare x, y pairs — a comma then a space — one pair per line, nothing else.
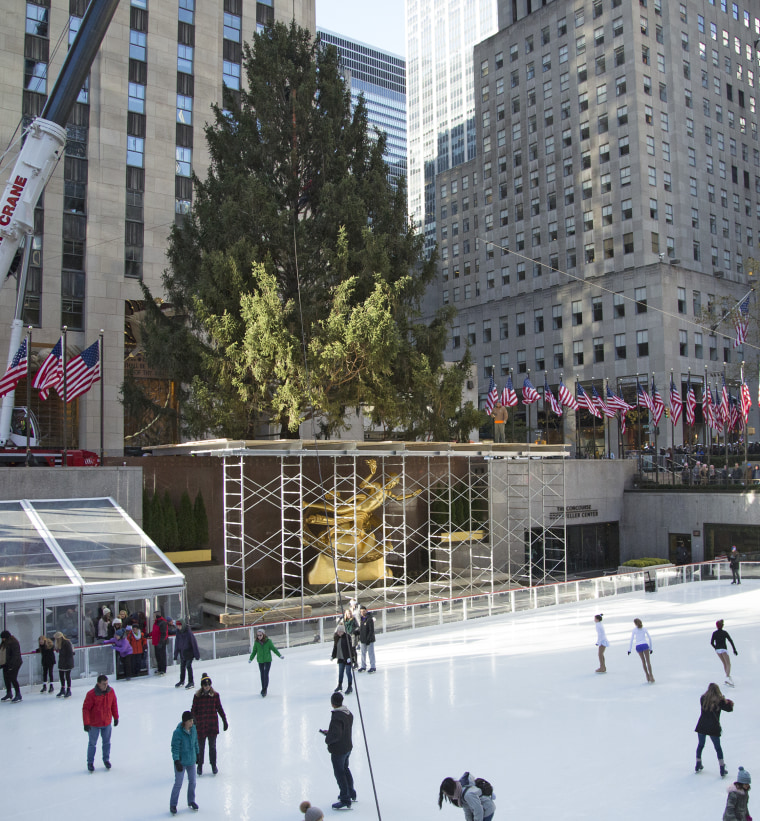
343, 529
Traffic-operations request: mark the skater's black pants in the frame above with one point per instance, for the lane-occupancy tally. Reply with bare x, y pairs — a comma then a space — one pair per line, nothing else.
211, 748
735, 575
11, 680
716, 743
47, 673
186, 664
65, 678
161, 658
264, 673
343, 776
345, 666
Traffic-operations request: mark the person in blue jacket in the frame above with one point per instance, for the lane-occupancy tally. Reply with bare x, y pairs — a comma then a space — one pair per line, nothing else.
185, 751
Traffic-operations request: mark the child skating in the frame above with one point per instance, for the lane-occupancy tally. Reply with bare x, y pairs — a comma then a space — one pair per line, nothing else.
718, 642
263, 648
711, 703
601, 643
738, 798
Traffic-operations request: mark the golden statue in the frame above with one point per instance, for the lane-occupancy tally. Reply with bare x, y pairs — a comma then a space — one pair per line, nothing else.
343, 529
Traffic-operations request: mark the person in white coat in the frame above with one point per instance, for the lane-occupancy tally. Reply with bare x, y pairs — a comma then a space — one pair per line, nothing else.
601, 643
465, 794
642, 641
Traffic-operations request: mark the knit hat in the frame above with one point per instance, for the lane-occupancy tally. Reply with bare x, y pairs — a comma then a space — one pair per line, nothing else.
743, 777
106, 611
311, 813
186, 716
340, 628
205, 679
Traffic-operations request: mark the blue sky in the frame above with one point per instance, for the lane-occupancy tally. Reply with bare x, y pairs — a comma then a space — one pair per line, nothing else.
377, 24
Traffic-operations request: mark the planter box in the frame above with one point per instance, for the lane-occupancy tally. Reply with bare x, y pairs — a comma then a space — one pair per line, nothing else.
189, 556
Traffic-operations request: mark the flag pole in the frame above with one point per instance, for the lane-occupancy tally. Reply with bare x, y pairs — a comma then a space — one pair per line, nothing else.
638, 420
65, 405
102, 395
656, 431
672, 434
744, 420
706, 427
527, 415
689, 427
577, 424
724, 415
513, 414
28, 394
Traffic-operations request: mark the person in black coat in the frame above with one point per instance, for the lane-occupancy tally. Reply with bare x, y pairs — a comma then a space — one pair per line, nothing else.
711, 703
339, 745
13, 662
343, 651
47, 657
65, 650
185, 649
367, 639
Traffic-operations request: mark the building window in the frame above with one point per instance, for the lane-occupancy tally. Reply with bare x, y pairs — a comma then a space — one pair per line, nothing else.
184, 59
577, 312
683, 343
578, 352
136, 100
642, 343
136, 152
618, 305
598, 345
231, 75
184, 157
698, 349
620, 352
640, 295
138, 41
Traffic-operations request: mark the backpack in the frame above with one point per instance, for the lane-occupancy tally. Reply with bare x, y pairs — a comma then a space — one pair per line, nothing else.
483, 785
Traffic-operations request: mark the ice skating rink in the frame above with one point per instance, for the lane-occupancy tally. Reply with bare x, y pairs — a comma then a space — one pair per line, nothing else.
513, 699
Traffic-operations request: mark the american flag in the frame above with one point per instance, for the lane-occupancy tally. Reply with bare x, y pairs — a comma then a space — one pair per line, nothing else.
492, 396
549, 397
642, 397
725, 409
658, 406
16, 370
716, 417
676, 403
529, 393
616, 401
508, 394
742, 322
565, 397
51, 372
691, 404
745, 400
707, 407
599, 402
82, 372
733, 412
585, 401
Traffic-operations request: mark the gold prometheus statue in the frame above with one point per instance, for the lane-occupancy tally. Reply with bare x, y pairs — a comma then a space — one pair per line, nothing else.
343, 529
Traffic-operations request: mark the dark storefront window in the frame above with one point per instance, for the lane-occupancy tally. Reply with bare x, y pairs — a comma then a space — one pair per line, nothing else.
720, 538
592, 547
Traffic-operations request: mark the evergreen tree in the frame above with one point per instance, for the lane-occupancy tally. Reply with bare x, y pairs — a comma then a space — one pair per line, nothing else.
157, 530
296, 279
147, 525
186, 523
171, 534
201, 521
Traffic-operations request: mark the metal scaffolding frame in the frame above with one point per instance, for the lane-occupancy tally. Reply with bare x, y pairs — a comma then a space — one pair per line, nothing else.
453, 519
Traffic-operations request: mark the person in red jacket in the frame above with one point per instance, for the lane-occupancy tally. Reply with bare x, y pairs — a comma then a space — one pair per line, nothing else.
159, 638
97, 711
138, 643
206, 706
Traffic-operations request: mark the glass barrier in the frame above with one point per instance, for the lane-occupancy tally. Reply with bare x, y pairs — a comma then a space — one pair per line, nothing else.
236, 641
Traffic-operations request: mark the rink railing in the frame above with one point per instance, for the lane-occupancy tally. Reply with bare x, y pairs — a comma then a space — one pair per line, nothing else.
237, 641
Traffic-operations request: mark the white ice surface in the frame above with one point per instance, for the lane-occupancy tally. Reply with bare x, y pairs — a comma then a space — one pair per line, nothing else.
513, 699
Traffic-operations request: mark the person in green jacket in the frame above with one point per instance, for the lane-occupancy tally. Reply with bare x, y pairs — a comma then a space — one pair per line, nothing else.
185, 751
263, 648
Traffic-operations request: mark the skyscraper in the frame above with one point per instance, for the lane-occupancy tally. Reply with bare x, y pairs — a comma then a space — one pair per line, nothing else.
135, 136
440, 88
611, 214
381, 78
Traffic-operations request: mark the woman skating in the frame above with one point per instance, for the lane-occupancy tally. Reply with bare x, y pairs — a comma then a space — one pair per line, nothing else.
601, 643
738, 798
465, 794
642, 641
343, 651
711, 703
47, 657
206, 706
65, 650
718, 642
263, 648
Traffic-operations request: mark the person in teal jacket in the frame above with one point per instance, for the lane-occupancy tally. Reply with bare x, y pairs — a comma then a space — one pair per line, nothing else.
263, 648
185, 751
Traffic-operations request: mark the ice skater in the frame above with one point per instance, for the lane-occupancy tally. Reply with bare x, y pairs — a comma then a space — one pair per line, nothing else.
185, 649
339, 745
206, 706
601, 643
642, 641
13, 661
343, 651
733, 562
263, 648
367, 639
47, 657
718, 642
738, 798
711, 702
65, 650
311, 813
185, 753
99, 707
465, 794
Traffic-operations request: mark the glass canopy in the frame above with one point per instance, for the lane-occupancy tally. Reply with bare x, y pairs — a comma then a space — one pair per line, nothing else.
77, 545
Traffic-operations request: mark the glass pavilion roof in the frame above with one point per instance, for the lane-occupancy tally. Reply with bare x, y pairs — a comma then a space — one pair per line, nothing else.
77, 543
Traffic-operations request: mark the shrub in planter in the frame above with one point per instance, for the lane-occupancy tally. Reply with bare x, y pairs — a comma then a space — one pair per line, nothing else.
646, 562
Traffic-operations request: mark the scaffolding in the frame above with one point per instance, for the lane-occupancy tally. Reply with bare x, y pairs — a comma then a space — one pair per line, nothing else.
393, 522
